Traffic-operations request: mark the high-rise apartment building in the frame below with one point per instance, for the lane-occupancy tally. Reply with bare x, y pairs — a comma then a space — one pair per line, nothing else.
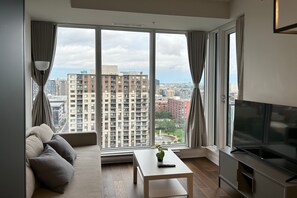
61, 87
50, 87
179, 108
125, 106
81, 102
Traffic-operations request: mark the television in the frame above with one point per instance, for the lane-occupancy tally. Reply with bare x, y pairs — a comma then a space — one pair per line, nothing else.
268, 132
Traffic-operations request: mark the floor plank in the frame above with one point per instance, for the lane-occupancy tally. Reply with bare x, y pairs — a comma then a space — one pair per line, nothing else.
118, 181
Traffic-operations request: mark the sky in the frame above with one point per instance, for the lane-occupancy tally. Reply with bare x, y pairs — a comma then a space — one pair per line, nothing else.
75, 52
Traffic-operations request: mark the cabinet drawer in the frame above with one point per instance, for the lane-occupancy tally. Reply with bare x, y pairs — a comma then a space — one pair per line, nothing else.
228, 168
267, 188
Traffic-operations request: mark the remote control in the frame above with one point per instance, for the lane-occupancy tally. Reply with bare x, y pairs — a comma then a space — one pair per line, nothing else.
166, 165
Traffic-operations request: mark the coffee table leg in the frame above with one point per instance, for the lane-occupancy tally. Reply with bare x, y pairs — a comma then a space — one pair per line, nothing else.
145, 188
190, 186
134, 170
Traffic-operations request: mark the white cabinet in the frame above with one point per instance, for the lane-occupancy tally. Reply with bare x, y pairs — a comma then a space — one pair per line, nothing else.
227, 167
253, 177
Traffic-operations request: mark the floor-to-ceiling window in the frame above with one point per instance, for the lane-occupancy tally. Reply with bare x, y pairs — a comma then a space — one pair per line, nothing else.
173, 88
125, 88
126, 62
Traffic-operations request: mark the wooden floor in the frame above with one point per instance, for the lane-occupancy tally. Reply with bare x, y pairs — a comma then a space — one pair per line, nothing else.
118, 181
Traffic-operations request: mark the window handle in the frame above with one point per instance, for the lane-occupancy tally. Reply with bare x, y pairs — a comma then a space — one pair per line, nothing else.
223, 98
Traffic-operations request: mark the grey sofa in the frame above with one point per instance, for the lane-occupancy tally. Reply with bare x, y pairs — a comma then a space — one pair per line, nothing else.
86, 181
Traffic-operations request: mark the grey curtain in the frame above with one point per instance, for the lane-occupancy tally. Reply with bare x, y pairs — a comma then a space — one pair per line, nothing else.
43, 42
196, 129
239, 54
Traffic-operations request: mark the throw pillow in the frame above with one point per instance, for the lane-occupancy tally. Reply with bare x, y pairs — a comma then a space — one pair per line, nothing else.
63, 148
47, 133
44, 132
34, 146
52, 170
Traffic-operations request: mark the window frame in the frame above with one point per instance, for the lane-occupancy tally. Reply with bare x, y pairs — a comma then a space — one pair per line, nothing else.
152, 70
220, 89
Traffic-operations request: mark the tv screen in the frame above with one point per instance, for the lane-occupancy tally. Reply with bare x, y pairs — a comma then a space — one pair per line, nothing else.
249, 123
283, 125
282, 132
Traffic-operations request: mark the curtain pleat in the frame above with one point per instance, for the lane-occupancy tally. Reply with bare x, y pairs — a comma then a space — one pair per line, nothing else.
43, 43
240, 54
196, 127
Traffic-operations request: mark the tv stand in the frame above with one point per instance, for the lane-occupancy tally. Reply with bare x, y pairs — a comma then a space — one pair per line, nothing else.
252, 177
291, 178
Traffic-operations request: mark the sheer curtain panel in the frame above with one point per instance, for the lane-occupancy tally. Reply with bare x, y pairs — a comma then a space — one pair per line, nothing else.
196, 128
43, 42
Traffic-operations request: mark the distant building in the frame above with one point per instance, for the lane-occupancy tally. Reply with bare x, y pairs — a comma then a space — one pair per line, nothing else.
125, 106
179, 108
61, 87
58, 106
163, 92
170, 93
160, 106
157, 86
50, 87
58, 113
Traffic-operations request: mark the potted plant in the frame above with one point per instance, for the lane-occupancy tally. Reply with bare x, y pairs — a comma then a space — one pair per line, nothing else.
160, 155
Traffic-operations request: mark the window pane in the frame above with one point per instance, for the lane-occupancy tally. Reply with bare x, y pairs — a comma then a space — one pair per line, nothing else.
125, 89
232, 84
71, 84
173, 88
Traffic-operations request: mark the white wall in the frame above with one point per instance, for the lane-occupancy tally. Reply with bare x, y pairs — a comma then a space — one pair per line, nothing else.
270, 72
28, 80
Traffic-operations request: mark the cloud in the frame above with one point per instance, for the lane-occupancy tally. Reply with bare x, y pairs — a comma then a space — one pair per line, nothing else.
171, 52
171, 44
75, 48
77, 36
75, 56
129, 50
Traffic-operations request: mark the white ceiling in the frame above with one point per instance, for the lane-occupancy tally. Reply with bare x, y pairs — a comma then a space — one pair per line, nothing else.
61, 11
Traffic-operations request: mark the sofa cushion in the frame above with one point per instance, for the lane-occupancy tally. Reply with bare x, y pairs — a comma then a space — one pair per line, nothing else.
31, 130
34, 146
52, 170
86, 181
63, 148
30, 182
43, 131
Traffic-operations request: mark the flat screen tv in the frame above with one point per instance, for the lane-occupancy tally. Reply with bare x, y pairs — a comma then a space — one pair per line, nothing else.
268, 132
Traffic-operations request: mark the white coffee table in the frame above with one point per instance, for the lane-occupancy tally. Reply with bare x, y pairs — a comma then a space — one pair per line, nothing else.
161, 182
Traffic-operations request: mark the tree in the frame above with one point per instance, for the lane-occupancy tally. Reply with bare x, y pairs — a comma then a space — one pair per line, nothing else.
165, 124
163, 115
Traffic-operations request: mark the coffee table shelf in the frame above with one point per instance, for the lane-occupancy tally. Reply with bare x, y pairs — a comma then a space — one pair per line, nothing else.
166, 188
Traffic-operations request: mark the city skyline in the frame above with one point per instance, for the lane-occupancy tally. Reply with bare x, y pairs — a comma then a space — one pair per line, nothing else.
58, 73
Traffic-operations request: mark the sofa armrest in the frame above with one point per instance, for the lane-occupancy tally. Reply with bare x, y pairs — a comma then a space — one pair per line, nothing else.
80, 139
